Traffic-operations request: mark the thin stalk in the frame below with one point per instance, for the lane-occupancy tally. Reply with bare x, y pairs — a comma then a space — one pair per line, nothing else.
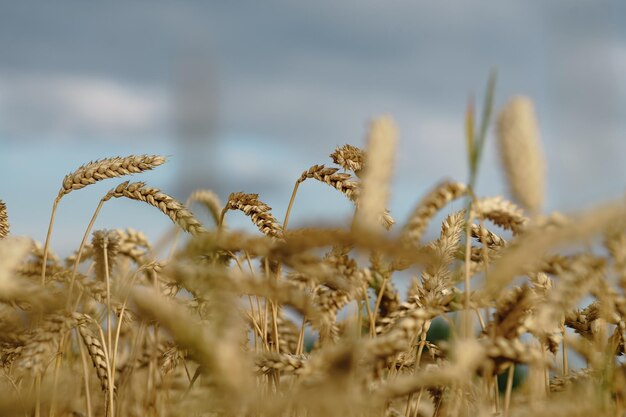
546, 374
120, 321
359, 317
57, 367
38, 395
47, 245
293, 197
467, 322
418, 360
265, 322
80, 251
417, 403
252, 317
83, 359
496, 394
17, 393
370, 314
108, 289
480, 320
509, 388
274, 309
222, 215
379, 298
564, 347
109, 405
300, 347
155, 351
257, 331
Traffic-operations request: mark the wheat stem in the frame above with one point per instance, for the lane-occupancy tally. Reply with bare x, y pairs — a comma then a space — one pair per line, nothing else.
47, 244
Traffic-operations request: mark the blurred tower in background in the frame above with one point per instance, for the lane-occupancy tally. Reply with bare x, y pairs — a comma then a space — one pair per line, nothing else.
196, 119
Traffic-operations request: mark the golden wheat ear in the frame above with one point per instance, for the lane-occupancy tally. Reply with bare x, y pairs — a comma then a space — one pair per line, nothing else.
208, 199
93, 172
521, 153
169, 206
103, 169
350, 158
258, 212
4, 220
426, 209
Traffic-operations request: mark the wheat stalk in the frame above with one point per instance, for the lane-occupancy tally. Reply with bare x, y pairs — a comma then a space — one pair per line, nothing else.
93, 172
105, 240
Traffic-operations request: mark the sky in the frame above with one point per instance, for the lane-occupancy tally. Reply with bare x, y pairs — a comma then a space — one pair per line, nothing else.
244, 96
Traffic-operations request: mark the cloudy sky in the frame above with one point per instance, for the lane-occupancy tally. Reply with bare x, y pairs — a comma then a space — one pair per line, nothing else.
275, 85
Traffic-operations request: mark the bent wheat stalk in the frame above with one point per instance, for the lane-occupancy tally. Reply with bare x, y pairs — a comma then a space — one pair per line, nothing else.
153, 196
93, 172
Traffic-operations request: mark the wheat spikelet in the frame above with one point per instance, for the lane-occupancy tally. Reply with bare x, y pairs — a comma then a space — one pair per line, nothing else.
504, 351
105, 240
390, 299
344, 184
108, 168
288, 331
41, 343
166, 204
97, 354
4, 220
350, 158
521, 152
581, 320
560, 383
133, 244
502, 212
258, 212
379, 157
529, 248
338, 180
615, 243
585, 273
210, 200
487, 237
90, 174
436, 281
511, 311
284, 363
434, 201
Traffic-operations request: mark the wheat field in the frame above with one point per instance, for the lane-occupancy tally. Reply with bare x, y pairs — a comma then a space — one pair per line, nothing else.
509, 311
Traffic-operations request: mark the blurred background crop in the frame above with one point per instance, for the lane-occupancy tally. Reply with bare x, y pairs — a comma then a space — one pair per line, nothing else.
245, 95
